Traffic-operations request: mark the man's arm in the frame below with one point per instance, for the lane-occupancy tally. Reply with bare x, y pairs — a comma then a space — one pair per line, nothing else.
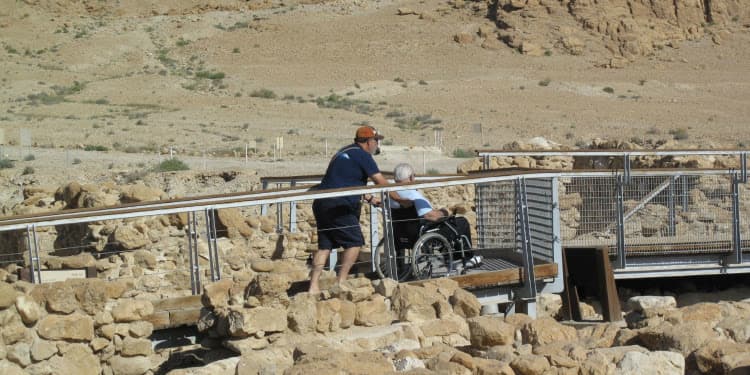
378, 179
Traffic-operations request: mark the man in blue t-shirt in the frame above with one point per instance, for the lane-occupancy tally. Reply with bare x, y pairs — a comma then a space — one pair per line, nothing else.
338, 217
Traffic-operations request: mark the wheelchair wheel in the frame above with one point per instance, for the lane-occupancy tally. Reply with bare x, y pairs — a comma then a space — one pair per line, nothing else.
403, 263
433, 256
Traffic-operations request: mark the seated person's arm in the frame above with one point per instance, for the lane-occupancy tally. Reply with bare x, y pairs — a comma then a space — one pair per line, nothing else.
403, 202
378, 179
436, 215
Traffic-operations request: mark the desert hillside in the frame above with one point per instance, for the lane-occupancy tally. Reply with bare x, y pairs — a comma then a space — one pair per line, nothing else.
208, 79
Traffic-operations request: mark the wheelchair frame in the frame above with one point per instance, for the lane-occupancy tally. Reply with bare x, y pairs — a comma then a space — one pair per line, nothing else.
429, 256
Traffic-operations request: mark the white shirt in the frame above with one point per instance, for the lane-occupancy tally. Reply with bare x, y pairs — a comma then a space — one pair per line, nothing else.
421, 203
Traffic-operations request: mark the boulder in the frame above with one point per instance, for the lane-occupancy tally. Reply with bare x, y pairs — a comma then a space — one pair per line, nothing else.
42, 349
717, 356
140, 193
487, 331
230, 221
641, 303
129, 365
465, 304
29, 309
547, 330
216, 294
134, 347
246, 322
659, 362
73, 327
464, 37
302, 313
269, 361
414, 303
682, 337
528, 364
373, 312
129, 238
129, 310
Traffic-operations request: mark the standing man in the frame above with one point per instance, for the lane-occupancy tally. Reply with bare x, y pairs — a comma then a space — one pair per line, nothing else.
338, 217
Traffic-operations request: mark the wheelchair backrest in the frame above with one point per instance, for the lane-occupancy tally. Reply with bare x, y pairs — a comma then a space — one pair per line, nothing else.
406, 226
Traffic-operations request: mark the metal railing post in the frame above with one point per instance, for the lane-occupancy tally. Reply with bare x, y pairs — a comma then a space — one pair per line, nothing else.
293, 211
671, 206
529, 279
195, 280
736, 228
264, 207
34, 263
374, 238
213, 248
279, 217
390, 247
621, 262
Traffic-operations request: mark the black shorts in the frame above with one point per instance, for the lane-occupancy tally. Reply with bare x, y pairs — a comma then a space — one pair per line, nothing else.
338, 223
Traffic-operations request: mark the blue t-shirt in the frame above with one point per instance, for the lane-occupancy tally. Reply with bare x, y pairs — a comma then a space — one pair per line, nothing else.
421, 204
351, 166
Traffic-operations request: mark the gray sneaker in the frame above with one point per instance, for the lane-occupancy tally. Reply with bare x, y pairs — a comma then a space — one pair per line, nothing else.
474, 261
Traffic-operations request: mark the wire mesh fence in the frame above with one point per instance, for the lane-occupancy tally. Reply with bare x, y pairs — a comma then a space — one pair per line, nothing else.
660, 214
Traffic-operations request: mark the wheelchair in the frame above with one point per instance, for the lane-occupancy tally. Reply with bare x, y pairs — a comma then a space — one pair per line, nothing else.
424, 249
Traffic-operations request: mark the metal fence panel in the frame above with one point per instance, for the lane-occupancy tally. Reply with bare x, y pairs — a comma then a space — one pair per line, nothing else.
541, 219
496, 215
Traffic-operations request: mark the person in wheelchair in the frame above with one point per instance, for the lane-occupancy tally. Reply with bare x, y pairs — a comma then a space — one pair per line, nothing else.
407, 230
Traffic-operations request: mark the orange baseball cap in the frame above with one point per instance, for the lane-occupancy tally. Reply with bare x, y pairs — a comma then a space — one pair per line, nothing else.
368, 132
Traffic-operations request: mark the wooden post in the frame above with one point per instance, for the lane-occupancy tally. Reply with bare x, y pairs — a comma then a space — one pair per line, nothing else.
588, 272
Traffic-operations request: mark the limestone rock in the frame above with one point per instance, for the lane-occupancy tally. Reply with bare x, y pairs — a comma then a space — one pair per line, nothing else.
81, 260
465, 304
683, 337
61, 298
216, 294
140, 193
140, 329
415, 303
74, 327
531, 49
128, 310
129, 365
42, 349
373, 312
231, 221
405, 11
145, 259
530, 364
642, 303
134, 347
464, 37
659, 362
29, 310
487, 331
302, 314
246, 322
546, 330
710, 358
9, 368
19, 354
129, 238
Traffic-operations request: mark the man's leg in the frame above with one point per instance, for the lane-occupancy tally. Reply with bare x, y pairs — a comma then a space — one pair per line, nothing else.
319, 261
350, 256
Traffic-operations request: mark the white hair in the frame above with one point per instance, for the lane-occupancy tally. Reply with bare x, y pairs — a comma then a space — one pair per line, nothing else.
402, 172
